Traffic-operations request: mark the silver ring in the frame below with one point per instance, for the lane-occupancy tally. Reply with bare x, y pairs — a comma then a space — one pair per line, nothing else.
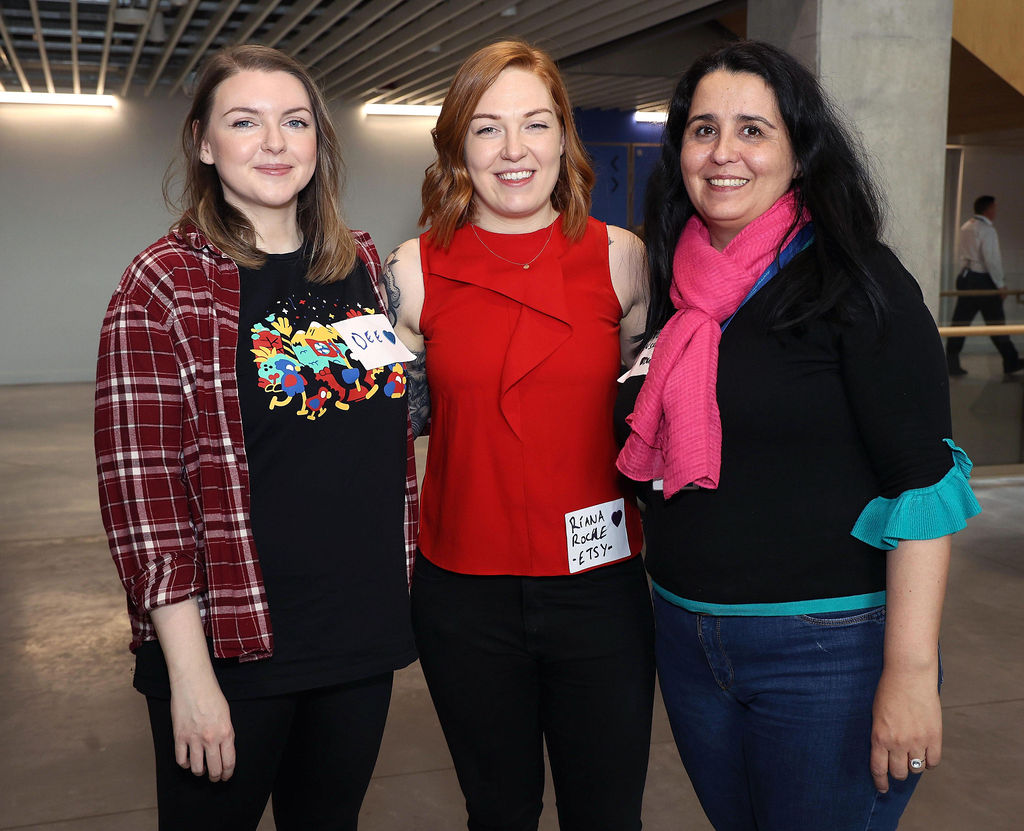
917, 765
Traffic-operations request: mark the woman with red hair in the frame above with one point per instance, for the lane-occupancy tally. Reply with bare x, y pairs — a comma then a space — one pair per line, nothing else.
530, 607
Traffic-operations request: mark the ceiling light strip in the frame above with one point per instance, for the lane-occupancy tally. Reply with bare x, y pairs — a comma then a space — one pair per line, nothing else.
60, 99
647, 117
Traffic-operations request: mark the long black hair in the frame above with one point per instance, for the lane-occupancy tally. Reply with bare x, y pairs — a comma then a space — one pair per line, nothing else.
833, 184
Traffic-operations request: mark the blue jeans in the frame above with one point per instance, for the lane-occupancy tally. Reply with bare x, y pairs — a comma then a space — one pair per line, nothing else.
772, 717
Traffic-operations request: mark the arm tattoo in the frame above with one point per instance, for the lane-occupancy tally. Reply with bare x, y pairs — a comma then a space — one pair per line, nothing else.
391, 287
415, 370
418, 392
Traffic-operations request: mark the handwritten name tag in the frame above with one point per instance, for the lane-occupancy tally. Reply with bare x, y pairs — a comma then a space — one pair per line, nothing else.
596, 535
372, 340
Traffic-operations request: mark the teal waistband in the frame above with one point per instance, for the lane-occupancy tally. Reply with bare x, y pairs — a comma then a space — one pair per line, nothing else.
795, 607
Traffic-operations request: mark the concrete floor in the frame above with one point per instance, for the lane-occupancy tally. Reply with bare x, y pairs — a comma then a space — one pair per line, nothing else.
76, 750
988, 408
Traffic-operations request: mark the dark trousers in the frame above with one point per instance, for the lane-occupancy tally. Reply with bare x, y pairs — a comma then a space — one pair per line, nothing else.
991, 308
313, 751
512, 662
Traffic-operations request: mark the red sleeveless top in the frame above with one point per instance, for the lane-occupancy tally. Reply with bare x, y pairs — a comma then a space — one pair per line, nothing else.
522, 367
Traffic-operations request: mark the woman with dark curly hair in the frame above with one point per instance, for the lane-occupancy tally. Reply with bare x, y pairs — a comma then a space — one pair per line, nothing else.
790, 430
530, 606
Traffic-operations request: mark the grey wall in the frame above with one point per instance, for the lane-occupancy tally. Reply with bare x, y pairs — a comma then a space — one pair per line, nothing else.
886, 64
385, 158
80, 196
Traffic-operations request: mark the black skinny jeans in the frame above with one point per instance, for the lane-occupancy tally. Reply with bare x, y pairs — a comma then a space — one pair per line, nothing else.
314, 751
512, 662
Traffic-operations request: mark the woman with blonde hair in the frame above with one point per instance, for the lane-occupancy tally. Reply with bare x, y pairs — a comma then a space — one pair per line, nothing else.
243, 439
530, 606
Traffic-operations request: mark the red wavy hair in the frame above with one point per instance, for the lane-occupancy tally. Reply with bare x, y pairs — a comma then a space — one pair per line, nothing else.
447, 187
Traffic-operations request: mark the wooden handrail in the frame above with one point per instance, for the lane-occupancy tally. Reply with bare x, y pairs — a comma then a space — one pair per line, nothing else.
971, 331
982, 293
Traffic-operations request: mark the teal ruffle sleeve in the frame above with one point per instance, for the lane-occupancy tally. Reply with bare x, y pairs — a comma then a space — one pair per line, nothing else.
921, 513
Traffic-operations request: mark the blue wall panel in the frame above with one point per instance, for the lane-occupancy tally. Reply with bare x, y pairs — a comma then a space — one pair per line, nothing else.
611, 191
623, 152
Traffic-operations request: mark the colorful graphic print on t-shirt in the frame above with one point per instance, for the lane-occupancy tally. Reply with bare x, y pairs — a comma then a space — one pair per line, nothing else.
303, 363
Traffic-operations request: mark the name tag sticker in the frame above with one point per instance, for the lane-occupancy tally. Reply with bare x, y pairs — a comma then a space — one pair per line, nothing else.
642, 363
372, 340
659, 485
596, 535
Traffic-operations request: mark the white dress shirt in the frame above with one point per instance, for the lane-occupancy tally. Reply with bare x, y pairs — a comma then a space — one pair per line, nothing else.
979, 248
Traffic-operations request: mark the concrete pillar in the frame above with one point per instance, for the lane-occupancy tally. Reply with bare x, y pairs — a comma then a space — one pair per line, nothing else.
886, 64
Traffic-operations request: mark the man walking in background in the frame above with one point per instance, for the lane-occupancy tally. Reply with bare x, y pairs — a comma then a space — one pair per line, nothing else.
982, 268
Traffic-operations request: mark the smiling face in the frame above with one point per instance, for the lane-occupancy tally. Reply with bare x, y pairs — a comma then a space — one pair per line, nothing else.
513, 154
736, 158
262, 140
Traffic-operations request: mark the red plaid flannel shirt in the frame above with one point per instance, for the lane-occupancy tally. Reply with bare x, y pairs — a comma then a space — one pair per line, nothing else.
170, 454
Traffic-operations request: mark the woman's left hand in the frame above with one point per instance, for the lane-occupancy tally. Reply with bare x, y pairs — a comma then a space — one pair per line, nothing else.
907, 724
907, 717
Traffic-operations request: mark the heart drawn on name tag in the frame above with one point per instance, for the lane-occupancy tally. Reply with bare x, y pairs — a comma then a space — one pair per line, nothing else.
389, 335
596, 535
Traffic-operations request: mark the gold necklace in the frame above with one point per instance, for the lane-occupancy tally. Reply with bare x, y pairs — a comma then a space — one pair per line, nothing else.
525, 265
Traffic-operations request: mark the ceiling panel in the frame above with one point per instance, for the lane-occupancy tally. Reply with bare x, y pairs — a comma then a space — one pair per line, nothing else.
387, 51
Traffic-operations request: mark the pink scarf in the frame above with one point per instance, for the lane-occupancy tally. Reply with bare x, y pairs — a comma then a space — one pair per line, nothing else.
677, 429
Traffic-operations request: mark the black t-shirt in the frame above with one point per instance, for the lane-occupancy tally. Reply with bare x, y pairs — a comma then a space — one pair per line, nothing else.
325, 440
816, 423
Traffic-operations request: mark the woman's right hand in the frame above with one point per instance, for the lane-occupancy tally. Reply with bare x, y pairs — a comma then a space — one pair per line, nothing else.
204, 739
